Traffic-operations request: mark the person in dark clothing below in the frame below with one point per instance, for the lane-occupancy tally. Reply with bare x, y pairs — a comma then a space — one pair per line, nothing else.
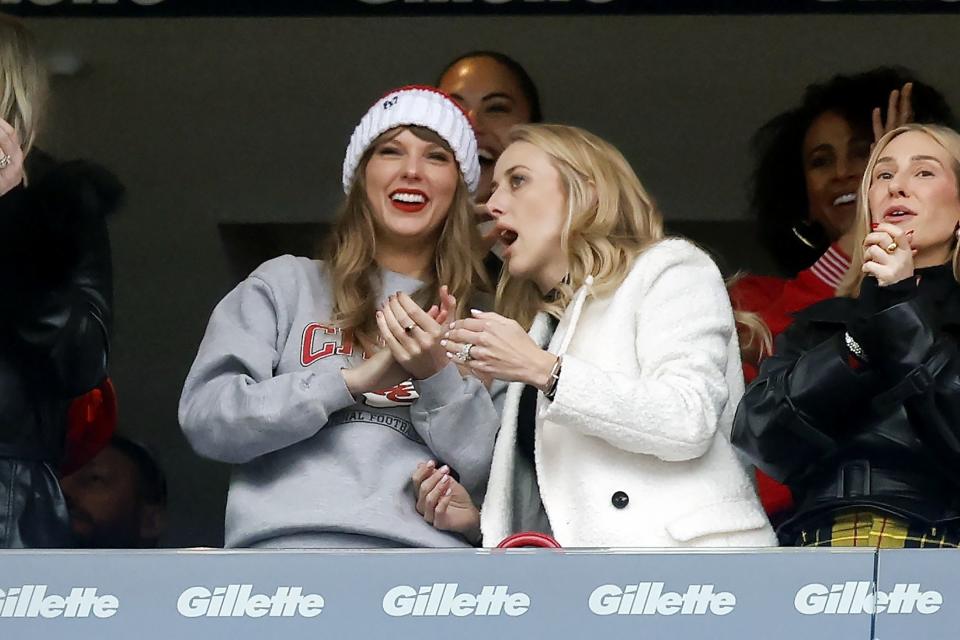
858, 409
55, 309
117, 500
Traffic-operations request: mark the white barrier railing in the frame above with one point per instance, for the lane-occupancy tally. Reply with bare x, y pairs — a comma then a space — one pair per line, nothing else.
483, 594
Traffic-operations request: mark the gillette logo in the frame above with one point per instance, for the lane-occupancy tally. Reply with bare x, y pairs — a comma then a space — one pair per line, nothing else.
239, 601
32, 601
442, 599
859, 597
649, 598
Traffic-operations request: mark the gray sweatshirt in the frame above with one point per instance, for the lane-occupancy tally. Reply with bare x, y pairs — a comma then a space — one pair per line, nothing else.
266, 394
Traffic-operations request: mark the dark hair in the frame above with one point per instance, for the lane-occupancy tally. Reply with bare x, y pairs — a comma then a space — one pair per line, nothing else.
779, 194
153, 483
527, 86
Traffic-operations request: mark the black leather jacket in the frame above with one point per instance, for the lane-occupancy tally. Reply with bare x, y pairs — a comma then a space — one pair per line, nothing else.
54, 334
883, 434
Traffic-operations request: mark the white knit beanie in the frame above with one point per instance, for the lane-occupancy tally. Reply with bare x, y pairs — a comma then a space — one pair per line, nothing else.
421, 106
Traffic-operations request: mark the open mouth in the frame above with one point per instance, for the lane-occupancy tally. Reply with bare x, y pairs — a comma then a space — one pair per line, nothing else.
409, 200
846, 198
507, 238
897, 215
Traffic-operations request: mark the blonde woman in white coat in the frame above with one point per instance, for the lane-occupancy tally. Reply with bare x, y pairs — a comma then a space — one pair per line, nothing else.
622, 361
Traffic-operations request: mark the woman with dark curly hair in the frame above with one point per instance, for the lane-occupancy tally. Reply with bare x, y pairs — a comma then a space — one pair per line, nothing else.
809, 161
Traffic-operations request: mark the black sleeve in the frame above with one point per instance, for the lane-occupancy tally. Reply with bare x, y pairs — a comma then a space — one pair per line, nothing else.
920, 367
59, 306
793, 413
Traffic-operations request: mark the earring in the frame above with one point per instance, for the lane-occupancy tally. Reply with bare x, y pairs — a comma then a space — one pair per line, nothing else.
801, 231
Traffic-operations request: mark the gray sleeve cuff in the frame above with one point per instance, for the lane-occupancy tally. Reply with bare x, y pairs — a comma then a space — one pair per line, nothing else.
442, 388
332, 388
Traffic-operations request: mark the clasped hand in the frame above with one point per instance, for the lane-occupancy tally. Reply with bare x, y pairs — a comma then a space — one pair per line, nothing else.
413, 335
887, 254
11, 156
402, 354
500, 348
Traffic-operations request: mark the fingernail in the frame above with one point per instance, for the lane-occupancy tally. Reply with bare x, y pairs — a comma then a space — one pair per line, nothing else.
379, 314
448, 491
444, 469
476, 312
449, 355
446, 334
443, 343
431, 463
444, 480
453, 325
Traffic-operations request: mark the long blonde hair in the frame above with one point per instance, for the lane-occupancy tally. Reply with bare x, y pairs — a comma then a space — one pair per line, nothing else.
610, 219
350, 252
946, 138
23, 81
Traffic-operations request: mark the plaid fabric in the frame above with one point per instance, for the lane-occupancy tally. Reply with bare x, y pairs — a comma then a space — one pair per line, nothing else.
877, 530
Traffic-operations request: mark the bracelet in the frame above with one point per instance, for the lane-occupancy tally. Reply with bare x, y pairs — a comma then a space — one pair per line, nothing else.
551, 389
854, 347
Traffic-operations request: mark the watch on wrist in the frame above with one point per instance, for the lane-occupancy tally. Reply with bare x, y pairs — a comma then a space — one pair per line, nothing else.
550, 390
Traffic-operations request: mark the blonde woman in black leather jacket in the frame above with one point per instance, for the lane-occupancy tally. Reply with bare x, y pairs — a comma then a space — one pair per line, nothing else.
858, 410
55, 307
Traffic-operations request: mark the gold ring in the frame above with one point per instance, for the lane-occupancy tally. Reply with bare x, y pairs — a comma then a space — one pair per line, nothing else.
891, 247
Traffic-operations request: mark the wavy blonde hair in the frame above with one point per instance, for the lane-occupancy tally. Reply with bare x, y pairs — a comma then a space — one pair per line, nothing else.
23, 81
350, 252
611, 219
946, 138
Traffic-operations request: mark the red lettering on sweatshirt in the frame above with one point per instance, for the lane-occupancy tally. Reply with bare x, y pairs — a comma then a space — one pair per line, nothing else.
313, 333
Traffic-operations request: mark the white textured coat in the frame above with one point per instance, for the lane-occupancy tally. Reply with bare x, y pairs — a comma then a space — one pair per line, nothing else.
650, 383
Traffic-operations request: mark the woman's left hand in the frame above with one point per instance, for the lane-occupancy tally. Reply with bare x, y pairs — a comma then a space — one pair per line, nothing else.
444, 502
11, 156
899, 112
499, 348
887, 254
413, 335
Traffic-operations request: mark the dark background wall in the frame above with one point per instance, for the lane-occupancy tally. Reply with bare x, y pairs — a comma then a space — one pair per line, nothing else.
221, 121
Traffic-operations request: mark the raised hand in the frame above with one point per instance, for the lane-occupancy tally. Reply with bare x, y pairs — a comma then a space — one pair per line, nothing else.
899, 112
498, 347
11, 158
413, 335
887, 254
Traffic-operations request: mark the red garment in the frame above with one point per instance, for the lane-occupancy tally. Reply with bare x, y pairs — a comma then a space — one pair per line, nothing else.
91, 421
775, 300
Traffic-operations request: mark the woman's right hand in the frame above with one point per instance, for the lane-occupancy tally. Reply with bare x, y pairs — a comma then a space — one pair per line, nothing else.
11, 175
413, 335
888, 254
382, 370
444, 503
379, 371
